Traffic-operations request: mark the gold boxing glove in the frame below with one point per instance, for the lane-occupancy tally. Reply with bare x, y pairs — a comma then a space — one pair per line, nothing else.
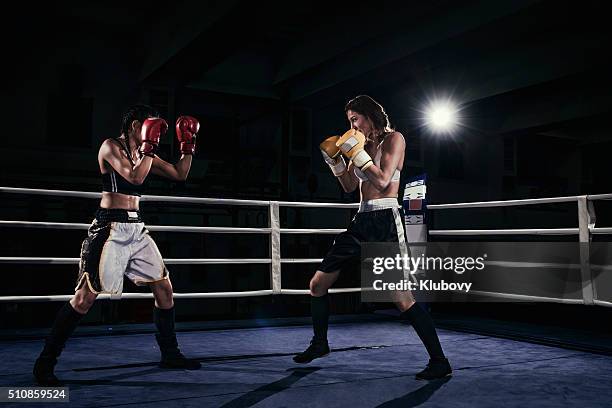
331, 155
352, 144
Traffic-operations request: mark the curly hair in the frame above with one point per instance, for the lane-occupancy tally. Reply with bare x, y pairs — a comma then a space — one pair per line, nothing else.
138, 112
368, 107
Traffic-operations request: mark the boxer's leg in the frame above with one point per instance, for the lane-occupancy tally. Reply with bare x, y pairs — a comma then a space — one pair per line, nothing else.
146, 267
65, 322
319, 309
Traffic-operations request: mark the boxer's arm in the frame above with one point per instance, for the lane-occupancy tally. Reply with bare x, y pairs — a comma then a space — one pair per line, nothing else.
176, 172
111, 153
380, 177
348, 180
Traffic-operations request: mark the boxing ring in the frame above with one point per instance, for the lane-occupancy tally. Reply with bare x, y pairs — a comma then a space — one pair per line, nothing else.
373, 361
585, 230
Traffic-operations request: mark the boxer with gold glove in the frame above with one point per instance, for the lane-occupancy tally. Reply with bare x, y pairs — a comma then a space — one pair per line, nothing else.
379, 219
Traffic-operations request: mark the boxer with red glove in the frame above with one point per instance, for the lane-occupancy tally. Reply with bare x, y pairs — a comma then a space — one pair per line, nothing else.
150, 133
107, 258
186, 129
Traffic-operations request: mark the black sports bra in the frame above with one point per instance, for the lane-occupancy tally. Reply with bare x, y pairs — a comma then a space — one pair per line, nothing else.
113, 182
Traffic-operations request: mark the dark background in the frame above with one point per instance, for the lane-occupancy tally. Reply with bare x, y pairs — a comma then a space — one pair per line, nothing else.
268, 83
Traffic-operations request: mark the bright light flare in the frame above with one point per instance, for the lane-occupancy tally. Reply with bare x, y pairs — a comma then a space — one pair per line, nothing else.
441, 117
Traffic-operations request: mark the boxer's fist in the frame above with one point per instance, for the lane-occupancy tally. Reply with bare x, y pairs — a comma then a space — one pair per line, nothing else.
331, 155
329, 149
351, 144
186, 129
150, 133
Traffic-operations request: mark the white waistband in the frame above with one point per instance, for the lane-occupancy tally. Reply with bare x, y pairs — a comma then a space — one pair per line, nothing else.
378, 204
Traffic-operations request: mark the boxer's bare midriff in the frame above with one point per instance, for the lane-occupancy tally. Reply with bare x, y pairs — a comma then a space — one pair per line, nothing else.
119, 201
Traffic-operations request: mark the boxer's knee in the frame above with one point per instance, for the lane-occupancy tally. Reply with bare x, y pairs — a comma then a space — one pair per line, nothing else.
321, 282
316, 288
163, 293
83, 300
403, 300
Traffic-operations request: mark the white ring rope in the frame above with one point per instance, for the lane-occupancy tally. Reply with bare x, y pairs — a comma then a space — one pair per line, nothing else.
513, 296
55, 193
594, 197
170, 261
214, 230
307, 292
539, 265
312, 230
225, 201
300, 261
37, 224
507, 203
63, 298
238, 261
164, 228
176, 228
176, 199
528, 231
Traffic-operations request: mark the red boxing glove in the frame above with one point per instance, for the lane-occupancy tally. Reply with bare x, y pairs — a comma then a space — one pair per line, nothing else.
186, 129
151, 131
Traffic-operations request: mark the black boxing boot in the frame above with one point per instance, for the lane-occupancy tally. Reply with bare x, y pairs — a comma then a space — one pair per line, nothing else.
436, 368
319, 309
66, 321
422, 323
171, 357
317, 349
